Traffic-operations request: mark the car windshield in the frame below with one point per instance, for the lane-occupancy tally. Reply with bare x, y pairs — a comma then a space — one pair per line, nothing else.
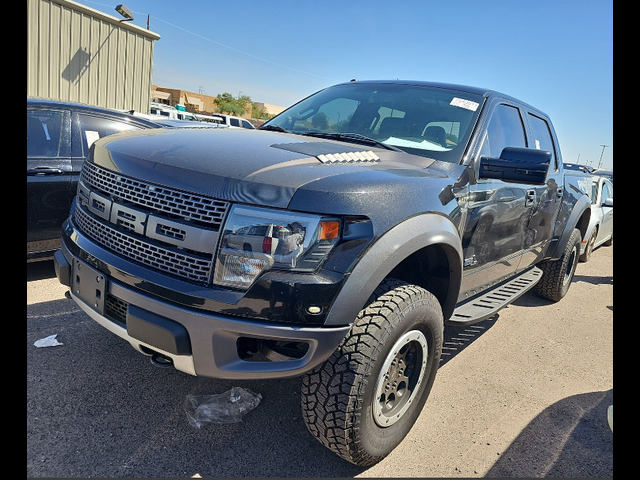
429, 121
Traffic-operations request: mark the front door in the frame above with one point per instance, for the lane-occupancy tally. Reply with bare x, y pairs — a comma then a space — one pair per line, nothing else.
498, 212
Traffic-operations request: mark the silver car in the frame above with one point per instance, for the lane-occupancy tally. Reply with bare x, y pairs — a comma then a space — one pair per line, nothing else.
600, 230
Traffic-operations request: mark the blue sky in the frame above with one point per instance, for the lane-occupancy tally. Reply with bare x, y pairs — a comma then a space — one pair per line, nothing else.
556, 55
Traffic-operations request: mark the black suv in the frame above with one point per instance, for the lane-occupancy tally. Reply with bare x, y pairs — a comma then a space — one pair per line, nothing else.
59, 136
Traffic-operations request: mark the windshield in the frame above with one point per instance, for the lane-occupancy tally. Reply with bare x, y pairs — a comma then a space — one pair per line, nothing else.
428, 121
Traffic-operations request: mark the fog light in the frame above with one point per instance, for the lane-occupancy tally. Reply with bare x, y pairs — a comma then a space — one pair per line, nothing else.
314, 310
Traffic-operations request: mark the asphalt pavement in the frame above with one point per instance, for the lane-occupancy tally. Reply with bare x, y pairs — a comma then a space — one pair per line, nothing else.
524, 394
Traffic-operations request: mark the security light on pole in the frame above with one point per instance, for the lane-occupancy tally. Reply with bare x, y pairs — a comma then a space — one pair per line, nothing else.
125, 12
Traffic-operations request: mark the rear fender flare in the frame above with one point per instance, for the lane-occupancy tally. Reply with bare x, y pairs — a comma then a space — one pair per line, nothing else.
582, 205
400, 242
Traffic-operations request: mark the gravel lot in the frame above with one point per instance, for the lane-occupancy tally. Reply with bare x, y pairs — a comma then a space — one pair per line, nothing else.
524, 394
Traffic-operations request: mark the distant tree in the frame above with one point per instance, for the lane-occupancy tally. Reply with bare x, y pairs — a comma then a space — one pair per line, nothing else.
320, 121
226, 103
260, 112
245, 102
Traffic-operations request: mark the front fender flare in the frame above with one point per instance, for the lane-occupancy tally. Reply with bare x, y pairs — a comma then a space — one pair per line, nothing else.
400, 242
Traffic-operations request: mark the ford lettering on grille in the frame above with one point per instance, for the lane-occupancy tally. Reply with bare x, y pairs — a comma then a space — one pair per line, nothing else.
174, 233
168, 230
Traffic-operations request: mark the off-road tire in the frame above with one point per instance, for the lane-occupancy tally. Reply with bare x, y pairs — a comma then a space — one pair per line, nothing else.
558, 275
340, 397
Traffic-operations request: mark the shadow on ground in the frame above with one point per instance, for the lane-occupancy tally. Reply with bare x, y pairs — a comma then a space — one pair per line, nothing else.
569, 439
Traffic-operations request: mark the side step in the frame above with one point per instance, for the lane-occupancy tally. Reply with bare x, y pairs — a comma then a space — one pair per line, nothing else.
488, 304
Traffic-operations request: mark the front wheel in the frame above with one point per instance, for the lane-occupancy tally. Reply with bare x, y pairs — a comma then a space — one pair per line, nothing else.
366, 398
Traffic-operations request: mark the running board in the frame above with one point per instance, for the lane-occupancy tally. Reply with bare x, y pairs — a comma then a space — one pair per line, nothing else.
488, 304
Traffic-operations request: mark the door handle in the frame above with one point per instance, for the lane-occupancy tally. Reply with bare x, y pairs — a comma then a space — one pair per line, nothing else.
44, 171
530, 198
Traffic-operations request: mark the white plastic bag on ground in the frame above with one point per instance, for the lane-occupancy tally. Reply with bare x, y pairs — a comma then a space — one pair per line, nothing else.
50, 341
224, 408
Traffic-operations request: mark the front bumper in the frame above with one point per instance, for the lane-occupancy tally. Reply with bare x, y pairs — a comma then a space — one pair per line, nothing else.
197, 342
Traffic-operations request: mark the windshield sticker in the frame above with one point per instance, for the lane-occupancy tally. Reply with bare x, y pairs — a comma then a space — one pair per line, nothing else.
466, 104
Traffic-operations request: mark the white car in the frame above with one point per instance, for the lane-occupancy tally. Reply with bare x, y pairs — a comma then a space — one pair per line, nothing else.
228, 120
600, 230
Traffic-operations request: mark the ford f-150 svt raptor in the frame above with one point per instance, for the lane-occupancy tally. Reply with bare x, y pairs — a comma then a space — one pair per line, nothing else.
335, 243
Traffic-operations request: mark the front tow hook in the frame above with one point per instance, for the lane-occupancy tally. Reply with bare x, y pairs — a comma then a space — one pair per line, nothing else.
161, 361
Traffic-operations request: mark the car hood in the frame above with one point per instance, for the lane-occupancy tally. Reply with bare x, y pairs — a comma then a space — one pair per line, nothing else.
254, 167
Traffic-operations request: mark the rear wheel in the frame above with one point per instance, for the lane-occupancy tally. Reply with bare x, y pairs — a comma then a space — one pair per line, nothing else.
364, 400
558, 275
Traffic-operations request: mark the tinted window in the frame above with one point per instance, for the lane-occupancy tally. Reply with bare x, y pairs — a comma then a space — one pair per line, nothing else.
505, 130
234, 122
44, 133
246, 124
93, 128
542, 136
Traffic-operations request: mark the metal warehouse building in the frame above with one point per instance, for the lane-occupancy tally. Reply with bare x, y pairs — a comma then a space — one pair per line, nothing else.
78, 54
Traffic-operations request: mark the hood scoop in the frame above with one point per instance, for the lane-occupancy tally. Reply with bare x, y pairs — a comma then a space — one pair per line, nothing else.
327, 152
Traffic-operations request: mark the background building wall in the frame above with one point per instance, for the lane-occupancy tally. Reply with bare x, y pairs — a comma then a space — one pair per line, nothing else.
78, 54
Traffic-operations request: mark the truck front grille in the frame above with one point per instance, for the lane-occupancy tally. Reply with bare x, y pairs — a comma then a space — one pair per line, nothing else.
185, 265
162, 199
167, 230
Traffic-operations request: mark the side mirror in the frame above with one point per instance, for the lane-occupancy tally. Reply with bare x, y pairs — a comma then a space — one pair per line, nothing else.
608, 202
522, 165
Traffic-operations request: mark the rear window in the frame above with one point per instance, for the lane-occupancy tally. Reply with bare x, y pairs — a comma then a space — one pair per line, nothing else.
44, 133
94, 128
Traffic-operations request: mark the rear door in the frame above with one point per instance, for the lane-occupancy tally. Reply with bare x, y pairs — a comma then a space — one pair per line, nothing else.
48, 177
544, 226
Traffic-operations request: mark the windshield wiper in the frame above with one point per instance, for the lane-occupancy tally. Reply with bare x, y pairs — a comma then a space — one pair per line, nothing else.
274, 128
351, 137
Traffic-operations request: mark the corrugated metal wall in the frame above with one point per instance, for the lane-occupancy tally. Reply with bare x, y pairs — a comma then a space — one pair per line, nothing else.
75, 53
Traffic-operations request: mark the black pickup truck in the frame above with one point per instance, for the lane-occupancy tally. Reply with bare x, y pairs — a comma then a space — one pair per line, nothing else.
336, 242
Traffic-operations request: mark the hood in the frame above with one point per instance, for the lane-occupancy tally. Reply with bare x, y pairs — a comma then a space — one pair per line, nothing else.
247, 166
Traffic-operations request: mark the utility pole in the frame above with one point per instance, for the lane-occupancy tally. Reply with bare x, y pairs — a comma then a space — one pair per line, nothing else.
602, 154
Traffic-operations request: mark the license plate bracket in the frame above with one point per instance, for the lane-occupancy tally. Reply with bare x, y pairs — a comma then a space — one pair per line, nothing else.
89, 285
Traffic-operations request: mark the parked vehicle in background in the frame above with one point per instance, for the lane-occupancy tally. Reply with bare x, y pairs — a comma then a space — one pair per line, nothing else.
608, 174
578, 167
600, 230
228, 120
59, 136
335, 242
175, 115
167, 111
171, 123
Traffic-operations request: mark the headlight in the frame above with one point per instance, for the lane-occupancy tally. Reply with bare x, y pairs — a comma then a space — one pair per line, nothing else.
255, 240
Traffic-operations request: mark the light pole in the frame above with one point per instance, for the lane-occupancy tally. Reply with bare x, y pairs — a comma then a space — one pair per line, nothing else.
602, 154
